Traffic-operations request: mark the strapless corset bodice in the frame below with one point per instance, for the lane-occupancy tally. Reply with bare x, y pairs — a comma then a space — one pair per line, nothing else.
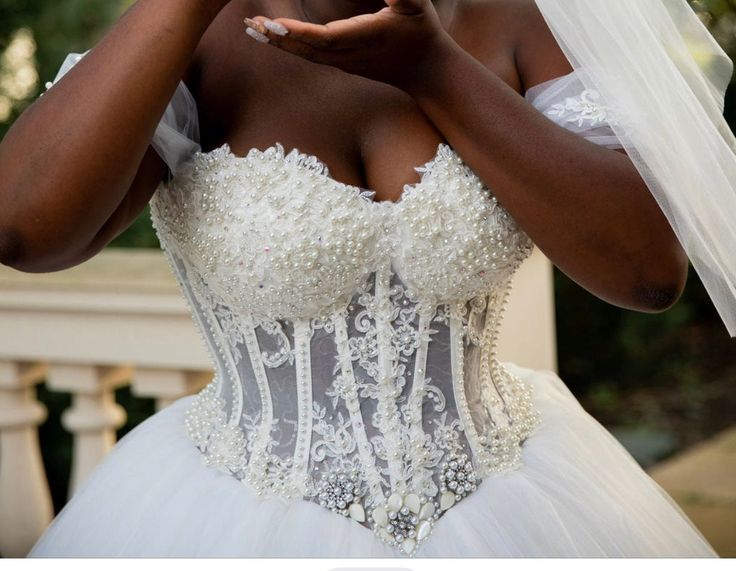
353, 340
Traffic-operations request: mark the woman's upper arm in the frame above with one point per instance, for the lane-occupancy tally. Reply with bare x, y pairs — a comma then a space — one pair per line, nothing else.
175, 140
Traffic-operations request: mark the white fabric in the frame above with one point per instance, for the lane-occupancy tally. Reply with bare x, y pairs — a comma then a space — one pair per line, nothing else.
566, 101
177, 136
577, 493
657, 65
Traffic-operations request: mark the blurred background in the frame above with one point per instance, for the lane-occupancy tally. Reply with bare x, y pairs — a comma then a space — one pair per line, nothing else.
661, 383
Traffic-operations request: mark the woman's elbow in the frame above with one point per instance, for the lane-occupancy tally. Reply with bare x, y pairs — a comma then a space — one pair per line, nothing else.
661, 282
42, 256
656, 299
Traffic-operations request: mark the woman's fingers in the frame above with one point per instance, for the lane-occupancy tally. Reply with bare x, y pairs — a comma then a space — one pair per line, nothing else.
313, 34
360, 44
287, 36
336, 35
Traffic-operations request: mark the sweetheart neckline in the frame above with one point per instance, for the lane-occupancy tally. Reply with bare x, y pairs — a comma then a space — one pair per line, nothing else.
312, 163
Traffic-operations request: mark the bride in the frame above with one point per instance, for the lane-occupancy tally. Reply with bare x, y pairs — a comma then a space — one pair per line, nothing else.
344, 192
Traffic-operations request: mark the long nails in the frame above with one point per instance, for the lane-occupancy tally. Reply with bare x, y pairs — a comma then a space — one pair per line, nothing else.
265, 26
257, 26
276, 28
257, 36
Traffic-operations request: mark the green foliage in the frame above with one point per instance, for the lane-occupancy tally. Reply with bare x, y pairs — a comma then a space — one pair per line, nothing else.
660, 346
140, 234
59, 27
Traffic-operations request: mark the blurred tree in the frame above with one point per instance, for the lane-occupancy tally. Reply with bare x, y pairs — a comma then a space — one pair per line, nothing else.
720, 17
64, 26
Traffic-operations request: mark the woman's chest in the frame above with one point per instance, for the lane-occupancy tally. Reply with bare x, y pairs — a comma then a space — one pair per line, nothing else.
370, 134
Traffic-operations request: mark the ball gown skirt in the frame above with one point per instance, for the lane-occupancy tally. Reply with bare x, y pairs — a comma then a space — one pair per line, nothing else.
576, 493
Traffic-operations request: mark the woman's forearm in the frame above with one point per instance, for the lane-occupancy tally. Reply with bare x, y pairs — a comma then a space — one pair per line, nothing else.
69, 160
585, 206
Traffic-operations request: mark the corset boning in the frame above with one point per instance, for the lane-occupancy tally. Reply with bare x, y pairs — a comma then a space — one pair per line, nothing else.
353, 341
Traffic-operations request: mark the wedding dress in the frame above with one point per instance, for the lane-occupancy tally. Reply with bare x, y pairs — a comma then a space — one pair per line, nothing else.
358, 406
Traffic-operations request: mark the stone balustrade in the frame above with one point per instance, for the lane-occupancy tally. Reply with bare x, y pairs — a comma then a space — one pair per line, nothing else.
119, 319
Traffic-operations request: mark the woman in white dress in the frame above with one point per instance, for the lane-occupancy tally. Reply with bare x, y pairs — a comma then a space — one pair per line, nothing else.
350, 298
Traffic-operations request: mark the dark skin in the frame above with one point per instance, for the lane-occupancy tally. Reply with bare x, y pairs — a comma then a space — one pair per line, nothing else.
418, 73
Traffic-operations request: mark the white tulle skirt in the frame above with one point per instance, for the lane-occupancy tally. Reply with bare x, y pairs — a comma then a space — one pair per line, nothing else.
577, 493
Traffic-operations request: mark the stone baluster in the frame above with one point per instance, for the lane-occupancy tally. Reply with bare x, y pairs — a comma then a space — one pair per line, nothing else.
167, 385
94, 415
25, 501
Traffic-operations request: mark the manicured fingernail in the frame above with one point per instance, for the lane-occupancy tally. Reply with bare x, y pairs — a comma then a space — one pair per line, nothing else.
276, 28
257, 36
257, 26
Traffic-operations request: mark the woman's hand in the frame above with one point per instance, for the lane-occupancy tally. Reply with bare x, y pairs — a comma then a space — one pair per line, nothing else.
393, 46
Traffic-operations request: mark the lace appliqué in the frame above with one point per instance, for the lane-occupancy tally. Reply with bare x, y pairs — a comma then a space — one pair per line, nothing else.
586, 109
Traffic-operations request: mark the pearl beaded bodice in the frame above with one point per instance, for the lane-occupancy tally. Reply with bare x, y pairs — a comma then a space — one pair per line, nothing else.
353, 340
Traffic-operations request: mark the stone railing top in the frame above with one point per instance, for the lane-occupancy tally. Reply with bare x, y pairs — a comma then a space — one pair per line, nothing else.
121, 307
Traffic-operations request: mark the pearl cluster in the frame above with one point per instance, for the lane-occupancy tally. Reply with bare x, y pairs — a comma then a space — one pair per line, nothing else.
205, 415
455, 243
271, 476
272, 233
224, 449
341, 491
502, 443
511, 415
457, 476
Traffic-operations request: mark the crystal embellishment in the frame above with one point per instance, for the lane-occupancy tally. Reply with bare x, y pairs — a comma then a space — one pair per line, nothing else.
341, 492
457, 476
404, 520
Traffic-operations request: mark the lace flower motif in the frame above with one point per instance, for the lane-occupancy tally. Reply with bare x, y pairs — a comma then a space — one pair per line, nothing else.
584, 109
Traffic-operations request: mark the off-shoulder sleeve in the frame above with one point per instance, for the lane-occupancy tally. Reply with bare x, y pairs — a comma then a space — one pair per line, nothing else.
177, 136
567, 102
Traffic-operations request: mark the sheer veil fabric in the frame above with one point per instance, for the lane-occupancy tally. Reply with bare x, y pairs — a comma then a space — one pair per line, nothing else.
657, 65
